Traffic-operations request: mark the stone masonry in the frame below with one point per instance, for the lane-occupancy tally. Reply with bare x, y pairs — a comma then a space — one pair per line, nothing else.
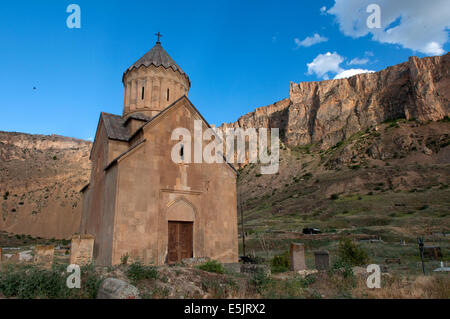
44, 255
82, 249
297, 257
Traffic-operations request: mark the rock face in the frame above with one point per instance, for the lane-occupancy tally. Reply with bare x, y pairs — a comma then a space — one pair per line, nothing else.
330, 111
112, 288
40, 180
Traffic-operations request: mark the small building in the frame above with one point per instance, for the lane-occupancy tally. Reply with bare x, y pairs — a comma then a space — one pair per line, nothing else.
139, 203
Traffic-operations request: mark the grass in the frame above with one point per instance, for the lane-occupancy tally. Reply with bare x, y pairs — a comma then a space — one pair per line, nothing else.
137, 272
212, 266
33, 282
280, 263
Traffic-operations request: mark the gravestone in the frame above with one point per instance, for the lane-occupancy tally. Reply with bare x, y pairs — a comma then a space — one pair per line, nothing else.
112, 288
81, 249
43, 255
297, 252
322, 259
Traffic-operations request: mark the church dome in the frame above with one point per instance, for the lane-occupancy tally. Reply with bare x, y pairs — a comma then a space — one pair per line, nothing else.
153, 82
157, 56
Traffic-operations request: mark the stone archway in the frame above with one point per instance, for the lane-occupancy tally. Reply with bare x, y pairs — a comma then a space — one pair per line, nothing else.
180, 228
181, 210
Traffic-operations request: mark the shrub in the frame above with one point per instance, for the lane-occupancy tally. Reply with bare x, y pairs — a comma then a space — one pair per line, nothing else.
124, 259
341, 265
334, 197
212, 266
137, 272
351, 254
445, 119
31, 281
280, 263
259, 280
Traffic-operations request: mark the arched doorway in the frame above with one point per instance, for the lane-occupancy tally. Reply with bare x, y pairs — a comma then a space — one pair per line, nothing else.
180, 223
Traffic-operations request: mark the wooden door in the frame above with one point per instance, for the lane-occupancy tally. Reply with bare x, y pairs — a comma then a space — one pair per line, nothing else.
180, 241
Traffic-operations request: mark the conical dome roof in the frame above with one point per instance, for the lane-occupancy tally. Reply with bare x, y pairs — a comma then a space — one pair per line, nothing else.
157, 56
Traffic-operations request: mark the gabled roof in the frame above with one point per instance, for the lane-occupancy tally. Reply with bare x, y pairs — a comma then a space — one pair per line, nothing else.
164, 111
138, 116
157, 56
115, 127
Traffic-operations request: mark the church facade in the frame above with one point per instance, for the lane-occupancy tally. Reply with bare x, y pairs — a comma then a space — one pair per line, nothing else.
139, 202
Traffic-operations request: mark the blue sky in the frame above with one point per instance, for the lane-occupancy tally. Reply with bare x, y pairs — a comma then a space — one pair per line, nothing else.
238, 54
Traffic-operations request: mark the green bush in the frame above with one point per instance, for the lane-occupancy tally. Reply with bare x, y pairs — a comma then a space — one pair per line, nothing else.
31, 282
259, 281
137, 272
351, 254
212, 266
280, 263
340, 265
124, 259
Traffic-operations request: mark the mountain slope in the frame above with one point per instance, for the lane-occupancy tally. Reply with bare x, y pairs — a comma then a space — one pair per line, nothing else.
40, 179
376, 142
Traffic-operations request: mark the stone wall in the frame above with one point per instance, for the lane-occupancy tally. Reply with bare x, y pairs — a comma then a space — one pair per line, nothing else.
82, 249
161, 88
127, 206
43, 255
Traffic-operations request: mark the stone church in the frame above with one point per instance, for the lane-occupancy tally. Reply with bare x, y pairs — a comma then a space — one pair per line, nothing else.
139, 203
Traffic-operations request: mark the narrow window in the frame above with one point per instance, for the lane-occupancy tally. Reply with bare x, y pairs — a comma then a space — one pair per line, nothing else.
182, 152
143, 92
167, 94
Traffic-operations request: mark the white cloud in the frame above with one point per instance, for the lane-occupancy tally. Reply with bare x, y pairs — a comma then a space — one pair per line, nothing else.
309, 41
350, 73
358, 61
330, 63
324, 64
91, 139
323, 10
414, 24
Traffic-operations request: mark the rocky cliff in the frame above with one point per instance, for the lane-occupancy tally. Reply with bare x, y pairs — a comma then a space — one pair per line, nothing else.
40, 176
40, 179
327, 112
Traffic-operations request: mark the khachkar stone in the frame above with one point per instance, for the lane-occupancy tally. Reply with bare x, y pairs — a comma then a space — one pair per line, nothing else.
322, 259
44, 255
81, 249
297, 257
